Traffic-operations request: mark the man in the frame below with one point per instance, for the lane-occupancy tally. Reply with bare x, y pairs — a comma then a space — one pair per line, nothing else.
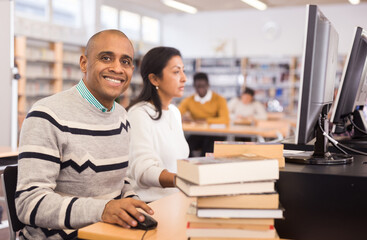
73, 149
204, 106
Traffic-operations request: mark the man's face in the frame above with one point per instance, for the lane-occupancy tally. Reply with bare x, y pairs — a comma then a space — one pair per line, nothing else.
201, 87
108, 67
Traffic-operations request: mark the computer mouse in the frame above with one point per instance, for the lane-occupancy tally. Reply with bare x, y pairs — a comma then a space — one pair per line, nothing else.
148, 224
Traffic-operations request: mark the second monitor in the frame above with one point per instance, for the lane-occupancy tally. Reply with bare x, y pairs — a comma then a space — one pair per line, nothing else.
317, 89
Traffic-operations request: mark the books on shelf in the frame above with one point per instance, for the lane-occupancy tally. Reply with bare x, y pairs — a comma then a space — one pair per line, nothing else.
242, 201
213, 170
266, 150
195, 190
239, 213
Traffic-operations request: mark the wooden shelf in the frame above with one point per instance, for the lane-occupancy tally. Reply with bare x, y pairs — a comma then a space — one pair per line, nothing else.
43, 69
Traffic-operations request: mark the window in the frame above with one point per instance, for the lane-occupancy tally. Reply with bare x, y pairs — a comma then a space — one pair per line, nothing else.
35, 9
66, 12
150, 30
130, 24
109, 17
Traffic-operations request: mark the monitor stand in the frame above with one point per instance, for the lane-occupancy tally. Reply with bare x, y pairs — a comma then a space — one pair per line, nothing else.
320, 155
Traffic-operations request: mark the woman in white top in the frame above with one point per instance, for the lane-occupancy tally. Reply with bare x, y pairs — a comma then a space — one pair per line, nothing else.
246, 108
157, 139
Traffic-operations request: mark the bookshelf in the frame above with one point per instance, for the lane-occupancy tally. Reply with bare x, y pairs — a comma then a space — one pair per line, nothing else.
71, 73
271, 77
46, 67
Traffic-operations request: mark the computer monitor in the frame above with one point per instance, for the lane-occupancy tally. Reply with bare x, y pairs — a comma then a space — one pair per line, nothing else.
317, 89
352, 92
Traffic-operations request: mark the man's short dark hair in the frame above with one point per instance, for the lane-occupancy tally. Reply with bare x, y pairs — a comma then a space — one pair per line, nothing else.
249, 91
201, 76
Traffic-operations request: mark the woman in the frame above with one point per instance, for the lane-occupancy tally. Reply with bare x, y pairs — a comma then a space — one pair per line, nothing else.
157, 138
246, 108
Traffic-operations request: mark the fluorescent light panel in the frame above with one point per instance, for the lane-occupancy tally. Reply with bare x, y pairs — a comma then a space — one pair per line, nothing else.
354, 2
256, 4
180, 6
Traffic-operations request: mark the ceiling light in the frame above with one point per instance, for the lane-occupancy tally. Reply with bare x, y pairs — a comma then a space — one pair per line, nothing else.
180, 6
354, 2
256, 4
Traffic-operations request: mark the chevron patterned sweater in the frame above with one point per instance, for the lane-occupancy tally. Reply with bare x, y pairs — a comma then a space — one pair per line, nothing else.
72, 161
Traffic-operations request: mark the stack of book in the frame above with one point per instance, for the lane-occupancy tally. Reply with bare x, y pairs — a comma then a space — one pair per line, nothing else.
235, 196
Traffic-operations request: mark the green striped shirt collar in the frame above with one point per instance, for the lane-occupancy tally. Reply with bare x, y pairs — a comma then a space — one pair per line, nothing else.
87, 95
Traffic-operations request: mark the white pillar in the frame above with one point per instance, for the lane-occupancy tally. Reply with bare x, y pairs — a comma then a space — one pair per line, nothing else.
8, 86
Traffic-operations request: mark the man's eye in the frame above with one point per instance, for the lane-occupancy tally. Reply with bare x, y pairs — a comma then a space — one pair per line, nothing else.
106, 58
126, 62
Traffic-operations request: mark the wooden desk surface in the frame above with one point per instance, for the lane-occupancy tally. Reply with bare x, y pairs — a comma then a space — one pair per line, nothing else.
7, 152
170, 212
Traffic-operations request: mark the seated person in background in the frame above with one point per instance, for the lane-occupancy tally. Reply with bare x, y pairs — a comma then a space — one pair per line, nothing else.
245, 108
74, 147
204, 106
157, 138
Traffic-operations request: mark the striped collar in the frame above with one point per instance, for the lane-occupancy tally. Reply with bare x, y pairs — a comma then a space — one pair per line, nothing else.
87, 95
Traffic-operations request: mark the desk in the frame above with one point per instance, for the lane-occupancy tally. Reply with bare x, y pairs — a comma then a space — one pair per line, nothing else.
170, 213
7, 157
323, 202
232, 131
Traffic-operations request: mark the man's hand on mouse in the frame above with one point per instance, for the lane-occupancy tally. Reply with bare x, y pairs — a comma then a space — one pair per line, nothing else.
115, 212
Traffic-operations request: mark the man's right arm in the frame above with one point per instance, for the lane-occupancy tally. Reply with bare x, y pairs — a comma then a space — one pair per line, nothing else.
38, 202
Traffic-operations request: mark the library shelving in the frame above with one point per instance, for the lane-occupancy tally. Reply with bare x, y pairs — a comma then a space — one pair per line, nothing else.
45, 67
272, 78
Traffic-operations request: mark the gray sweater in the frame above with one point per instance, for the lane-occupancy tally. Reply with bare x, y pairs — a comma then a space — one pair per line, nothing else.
72, 161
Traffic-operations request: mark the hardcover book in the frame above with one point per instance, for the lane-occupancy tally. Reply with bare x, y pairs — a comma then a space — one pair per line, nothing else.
195, 190
212, 170
242, 201
266, 150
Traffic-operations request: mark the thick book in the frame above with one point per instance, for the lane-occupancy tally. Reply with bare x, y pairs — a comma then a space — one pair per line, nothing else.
230, 226
242, 201
266, 150
195, 190
191, 217
193, 231
239, 213
212, 170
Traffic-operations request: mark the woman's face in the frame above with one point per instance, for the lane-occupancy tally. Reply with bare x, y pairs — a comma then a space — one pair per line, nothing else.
173, 79
246, 98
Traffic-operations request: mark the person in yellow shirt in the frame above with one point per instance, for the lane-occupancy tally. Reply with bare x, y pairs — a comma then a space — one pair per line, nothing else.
205, 106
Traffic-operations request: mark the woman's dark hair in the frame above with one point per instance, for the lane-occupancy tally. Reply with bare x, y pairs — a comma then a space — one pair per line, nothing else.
153, 62
249, 91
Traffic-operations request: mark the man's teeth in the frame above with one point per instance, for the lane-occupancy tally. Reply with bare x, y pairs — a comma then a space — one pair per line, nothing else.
113, 80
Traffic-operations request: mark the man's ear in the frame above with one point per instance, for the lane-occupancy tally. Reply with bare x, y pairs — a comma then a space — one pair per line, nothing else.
83, 63
153, 79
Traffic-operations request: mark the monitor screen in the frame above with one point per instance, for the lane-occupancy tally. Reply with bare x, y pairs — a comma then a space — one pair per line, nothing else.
317, 90
352, 92
318, 73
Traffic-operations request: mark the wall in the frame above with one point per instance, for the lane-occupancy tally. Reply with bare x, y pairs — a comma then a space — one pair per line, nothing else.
6, 62
274, 32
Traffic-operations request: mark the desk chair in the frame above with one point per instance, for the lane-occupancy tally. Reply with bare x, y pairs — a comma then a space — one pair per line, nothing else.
9, 182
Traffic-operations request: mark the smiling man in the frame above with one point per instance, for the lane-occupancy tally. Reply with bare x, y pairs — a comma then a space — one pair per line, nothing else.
74, 147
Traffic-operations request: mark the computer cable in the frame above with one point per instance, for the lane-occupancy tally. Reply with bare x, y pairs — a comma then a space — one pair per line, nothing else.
355, 126
142, 237
332, 141
338, 145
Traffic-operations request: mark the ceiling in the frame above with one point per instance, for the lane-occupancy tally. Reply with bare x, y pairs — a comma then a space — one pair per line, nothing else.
223, 5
